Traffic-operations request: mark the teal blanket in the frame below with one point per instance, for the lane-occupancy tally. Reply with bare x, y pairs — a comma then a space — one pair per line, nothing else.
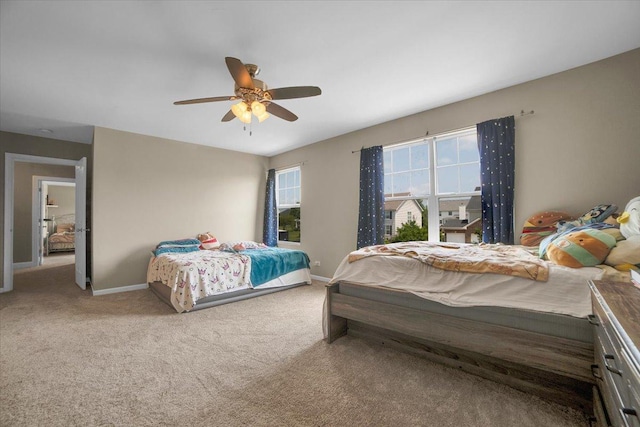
269, 263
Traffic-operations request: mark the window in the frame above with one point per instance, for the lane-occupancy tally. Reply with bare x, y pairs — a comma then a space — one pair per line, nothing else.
388, 229
288, 204
438, 172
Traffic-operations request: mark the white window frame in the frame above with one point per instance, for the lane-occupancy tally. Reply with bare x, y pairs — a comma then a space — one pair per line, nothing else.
284, 205
433, 198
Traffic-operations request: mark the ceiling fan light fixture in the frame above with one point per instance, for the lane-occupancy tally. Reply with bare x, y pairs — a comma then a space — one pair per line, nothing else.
246, 117
258, 108
239, 109
262, 117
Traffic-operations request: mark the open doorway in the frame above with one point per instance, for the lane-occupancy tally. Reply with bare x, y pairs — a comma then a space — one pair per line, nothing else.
54, 220
18, 249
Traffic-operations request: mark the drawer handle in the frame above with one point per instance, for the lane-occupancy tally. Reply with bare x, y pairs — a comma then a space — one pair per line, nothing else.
593, 320
611, 368
628, 411
595, 371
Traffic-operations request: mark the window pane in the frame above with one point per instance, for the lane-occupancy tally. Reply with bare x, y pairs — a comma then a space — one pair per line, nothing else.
469, 177
446, 152
296, 178
447, 180
386, 157
290, 179
289, 225
420, 182
282, 197
401, 159
468, 147
296, 196
401, 183
388, 182
290, 196
420, 156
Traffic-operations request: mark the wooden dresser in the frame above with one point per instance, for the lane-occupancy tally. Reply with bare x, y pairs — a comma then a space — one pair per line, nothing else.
616, 320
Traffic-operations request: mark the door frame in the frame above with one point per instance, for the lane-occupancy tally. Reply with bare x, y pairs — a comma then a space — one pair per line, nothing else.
36, 225
9, 167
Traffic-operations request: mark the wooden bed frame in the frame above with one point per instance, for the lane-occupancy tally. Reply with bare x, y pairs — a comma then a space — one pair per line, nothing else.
554, 366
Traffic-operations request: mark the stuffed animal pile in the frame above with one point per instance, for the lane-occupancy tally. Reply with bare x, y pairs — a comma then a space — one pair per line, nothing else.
597, 237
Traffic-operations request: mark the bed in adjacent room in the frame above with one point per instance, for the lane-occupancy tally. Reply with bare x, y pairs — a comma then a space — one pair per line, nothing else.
63, 236
190, 280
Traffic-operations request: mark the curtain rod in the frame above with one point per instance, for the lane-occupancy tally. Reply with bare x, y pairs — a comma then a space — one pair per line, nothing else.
406, 141
293, 165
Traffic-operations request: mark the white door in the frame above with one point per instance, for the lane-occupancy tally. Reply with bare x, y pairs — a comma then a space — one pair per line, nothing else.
42, 224
81, 223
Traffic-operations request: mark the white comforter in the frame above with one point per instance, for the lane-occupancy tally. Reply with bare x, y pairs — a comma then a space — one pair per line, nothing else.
566, 291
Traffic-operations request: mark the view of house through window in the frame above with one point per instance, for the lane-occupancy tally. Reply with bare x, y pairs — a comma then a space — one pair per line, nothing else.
288, 204
432, 189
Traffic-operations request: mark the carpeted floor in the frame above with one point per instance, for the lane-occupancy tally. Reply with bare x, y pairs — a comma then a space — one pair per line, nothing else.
70, 359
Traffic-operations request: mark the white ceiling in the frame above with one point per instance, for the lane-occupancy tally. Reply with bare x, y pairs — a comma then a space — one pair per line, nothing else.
67, 66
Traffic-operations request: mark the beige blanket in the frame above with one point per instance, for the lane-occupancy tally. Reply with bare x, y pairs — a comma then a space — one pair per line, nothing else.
463, 257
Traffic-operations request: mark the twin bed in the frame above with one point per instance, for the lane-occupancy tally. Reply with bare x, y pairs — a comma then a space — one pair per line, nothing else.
193, 280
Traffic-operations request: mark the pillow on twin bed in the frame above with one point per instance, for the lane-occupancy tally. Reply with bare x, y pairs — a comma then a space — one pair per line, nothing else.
240, 245
177, 246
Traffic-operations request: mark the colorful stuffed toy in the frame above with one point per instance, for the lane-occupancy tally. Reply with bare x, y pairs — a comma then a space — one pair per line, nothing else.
626, 255
629, 220
595, 215
541, 225
581, 247
208, 241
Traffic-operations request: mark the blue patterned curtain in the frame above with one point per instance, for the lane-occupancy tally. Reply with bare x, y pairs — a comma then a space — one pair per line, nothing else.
270, 227
496, 142
371, 212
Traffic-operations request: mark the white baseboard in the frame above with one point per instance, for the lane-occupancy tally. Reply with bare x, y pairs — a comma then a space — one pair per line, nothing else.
97, 292
27, 264
320, 278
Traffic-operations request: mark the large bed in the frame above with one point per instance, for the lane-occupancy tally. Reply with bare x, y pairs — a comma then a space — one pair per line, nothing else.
63, 236
206, 278
532, 335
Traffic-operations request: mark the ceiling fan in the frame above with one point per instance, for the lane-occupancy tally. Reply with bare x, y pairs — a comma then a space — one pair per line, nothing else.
254, 95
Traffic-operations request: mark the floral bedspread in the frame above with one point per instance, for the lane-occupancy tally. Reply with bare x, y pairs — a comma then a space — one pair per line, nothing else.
469, 258
196, 275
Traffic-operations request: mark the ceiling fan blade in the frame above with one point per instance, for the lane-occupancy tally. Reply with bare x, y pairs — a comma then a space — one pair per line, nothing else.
294, 92
229, 116
239, 72
281, 112
201, 100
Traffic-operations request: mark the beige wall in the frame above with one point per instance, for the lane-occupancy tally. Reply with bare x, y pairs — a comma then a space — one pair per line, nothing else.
148, 189
580, 148
36, 146
23, 203
65, 198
